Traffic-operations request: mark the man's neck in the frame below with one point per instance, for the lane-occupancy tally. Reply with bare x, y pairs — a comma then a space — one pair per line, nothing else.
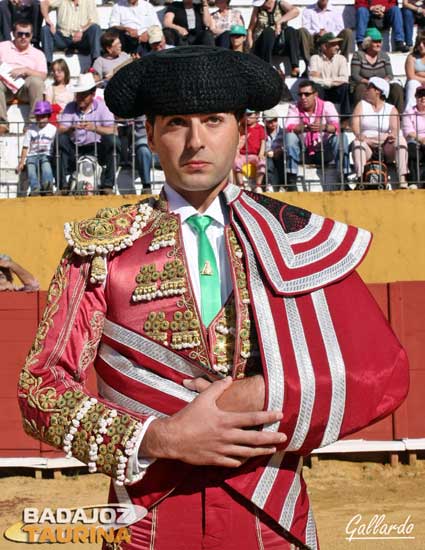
21, 49
201, 200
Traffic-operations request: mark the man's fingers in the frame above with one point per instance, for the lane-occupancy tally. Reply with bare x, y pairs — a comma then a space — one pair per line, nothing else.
238, 451
197, 384
216, 389
255, 438
248, 419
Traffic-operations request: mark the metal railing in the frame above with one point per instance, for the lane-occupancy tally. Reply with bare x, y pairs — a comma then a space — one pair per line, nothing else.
310, 152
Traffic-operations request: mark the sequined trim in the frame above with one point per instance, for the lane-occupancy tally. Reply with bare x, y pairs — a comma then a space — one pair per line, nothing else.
305, 373
310, 533
305, 234
123, 365
336, 367
231, 192
267, 336
267, 480
288, 509
122, 400
150, 349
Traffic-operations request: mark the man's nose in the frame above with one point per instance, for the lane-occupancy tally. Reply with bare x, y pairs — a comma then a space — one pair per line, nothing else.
194, 136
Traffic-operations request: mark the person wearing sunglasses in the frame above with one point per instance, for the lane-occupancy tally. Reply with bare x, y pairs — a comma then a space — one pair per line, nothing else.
413, 125
28, 70
313, 132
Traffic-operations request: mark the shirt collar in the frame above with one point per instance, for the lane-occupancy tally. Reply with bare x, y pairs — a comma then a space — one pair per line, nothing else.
329, 7
179, 205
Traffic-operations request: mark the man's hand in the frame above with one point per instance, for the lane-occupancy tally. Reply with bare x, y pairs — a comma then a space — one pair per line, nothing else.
19, 71
131, 32
315, 126
203, 434
143, 38
77, 36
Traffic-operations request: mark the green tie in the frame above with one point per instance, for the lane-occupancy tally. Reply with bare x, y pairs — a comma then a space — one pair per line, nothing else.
208, 271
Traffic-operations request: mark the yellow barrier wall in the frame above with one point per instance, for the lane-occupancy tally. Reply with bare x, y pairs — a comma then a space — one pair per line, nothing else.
32, 228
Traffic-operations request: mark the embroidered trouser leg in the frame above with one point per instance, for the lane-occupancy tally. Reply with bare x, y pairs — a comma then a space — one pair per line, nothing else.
210, 518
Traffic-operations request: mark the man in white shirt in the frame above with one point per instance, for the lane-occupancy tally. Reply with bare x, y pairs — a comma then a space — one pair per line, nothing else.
207, 343
321, 18
133, 19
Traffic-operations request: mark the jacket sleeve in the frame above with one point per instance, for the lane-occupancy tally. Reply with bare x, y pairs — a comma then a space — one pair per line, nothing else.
56, 406
361, 372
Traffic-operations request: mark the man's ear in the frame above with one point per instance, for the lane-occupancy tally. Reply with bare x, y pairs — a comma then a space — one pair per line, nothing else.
150, 135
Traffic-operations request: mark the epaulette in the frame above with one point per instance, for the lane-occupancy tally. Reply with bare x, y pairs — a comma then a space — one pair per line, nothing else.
112, 229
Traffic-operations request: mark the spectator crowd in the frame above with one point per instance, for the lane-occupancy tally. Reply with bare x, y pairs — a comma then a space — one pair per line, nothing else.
69, 120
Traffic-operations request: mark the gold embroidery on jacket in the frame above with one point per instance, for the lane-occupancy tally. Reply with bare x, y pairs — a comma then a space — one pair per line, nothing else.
88, 353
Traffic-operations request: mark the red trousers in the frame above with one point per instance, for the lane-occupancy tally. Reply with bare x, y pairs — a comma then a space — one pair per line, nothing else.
203, 515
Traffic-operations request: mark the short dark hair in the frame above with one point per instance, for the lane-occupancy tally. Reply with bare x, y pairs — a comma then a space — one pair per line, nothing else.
108, 38
305, 83
21, 23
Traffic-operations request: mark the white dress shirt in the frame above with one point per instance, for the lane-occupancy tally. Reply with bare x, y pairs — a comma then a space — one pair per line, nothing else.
330, 19
139, 17
136, 467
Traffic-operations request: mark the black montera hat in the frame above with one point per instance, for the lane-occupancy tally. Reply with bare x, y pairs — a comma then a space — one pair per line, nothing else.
193, 79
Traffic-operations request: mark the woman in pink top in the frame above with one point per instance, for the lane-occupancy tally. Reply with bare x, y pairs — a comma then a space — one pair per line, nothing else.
413, 124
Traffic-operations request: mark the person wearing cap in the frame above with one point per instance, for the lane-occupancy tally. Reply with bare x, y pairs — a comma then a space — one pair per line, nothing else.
186, 22
132, 19
87, 127
222, 22
321, 18
376, 126
208, 311
156, 39
274, 150
27, 63
37, 149
372, 61
238, 38
112, 57
269, 33
76, 28
383, 14
313, 136
329, 69
413, 125
415, 70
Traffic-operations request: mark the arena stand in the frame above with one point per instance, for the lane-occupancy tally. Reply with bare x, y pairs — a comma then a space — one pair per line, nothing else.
11, 144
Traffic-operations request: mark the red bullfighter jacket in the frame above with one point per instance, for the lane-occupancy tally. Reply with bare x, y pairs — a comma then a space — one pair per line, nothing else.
121, 300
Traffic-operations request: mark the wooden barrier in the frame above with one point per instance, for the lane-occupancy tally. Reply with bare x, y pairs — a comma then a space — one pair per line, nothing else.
402, 303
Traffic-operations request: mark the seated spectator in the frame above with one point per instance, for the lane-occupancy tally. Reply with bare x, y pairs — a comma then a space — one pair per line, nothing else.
77, 27
274, 150
132, 18
237, 36
37, 150
87, 124
319, 19
329, 69
269, 33
25, 62
144, 156
415, 70
413, 14
372, 61
251, 149
156, 39
12, 11
312, 128
222, 21
9, 268
113, 56
413, 124
58, 93
376, 126
188, 23
382, 14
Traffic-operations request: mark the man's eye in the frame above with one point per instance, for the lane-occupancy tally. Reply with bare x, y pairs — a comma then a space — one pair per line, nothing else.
176, 122
214, 119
